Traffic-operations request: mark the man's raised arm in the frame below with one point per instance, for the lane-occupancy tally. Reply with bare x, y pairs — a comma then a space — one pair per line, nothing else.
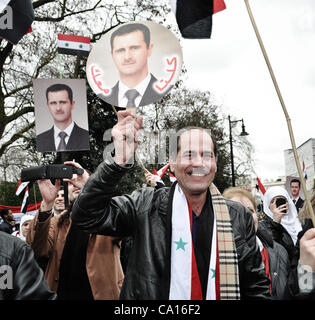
95, 210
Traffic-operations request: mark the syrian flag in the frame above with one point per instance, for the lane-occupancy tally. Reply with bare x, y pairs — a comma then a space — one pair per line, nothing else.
261, 189
74, 45
25, 201
162, 171
194, 17
157, 176
21, 187
172, 177
304, 171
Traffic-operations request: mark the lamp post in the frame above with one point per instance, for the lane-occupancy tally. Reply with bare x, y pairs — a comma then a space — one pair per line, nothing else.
243, 133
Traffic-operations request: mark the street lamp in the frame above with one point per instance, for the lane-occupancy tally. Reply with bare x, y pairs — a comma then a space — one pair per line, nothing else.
243, 133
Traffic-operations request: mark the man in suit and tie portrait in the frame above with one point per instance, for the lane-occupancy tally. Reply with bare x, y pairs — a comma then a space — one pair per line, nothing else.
295, 186
131, 48
65, 134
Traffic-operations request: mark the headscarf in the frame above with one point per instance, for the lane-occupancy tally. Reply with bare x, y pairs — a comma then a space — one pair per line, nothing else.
290, 221
25, 217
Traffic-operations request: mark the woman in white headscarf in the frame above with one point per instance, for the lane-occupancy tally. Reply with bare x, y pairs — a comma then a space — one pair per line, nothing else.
281, 219
24, 227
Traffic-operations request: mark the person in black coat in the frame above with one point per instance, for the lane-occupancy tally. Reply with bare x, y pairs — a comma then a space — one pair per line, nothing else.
301, 282
20, 277
281, 219
153, 218
277, 263
295, 187
8, 221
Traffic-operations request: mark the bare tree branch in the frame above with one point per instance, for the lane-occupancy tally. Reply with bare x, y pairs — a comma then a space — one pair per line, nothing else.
16, 136
19, 113
63, 15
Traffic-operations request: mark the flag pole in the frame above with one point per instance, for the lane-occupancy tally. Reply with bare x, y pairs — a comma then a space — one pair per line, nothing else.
35, 197
59, 66
296, 157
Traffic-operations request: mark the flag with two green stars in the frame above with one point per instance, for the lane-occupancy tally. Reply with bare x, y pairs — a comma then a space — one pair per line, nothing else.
74, 45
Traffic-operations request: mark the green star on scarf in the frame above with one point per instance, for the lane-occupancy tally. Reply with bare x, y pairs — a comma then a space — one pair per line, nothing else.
180, 244
213, 273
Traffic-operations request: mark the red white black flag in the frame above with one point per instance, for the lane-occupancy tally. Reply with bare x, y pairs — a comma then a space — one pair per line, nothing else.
25, 201
261, 189
16, 17
23, 187
194, 17
74, 45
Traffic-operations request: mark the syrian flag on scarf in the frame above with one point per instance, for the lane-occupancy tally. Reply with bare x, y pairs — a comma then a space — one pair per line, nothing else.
261, 189
304, 171
194, 17
74, 45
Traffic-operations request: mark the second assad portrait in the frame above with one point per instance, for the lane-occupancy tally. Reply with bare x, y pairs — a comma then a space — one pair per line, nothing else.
64, 134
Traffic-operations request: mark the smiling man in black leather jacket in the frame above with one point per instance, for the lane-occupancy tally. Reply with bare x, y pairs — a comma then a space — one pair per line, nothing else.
147, 214
20, 276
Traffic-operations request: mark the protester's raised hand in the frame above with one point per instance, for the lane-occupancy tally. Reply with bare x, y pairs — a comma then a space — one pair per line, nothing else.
278, 212
49, 193
78, 180
150, 179
125, 135
307, 249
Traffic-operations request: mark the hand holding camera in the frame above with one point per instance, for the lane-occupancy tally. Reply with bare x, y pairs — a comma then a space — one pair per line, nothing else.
49, 179
279, 207
78, 180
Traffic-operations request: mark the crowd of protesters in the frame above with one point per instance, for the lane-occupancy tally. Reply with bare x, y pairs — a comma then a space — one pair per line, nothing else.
177, 242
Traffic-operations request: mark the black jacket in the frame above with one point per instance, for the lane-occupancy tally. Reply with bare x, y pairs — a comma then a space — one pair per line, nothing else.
299, 204
280, 235
279, 263
143, 215
292, 289
6, 227
17, 258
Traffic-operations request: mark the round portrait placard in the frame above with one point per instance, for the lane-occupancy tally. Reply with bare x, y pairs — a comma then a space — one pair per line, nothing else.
134, 64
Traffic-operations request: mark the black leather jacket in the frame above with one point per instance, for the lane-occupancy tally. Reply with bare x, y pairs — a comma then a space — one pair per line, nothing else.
279, 263
143, 215
17, 259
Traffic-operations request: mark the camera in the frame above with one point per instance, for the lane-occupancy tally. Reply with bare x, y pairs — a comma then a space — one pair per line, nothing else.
52, 172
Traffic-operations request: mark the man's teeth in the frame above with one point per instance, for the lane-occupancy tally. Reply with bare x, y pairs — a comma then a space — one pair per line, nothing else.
198, 174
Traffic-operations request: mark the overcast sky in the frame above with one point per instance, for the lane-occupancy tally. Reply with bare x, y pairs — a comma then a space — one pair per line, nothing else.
232, 67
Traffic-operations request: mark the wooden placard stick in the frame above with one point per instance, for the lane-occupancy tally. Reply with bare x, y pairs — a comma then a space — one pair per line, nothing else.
296, 157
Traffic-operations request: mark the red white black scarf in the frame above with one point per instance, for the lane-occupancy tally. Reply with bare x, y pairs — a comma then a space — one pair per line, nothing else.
223, 280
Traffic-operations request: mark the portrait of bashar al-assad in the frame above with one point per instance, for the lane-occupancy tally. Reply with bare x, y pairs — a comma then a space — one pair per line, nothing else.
135, 64
61, 115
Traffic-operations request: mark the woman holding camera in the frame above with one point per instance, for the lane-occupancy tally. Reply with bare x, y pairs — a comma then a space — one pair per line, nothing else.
281, 219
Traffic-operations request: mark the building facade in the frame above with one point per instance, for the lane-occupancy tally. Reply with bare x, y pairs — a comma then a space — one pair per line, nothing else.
306, 153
